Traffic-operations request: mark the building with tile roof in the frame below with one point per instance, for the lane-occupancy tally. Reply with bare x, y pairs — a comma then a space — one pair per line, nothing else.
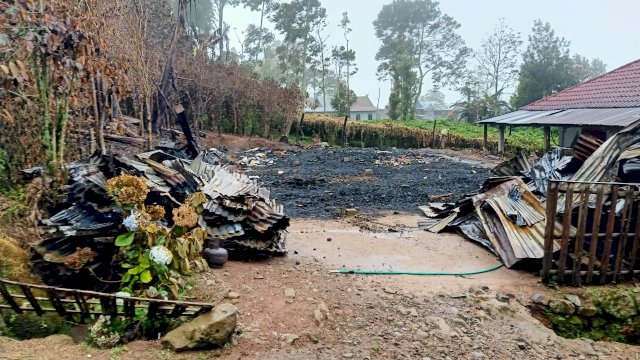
602, 105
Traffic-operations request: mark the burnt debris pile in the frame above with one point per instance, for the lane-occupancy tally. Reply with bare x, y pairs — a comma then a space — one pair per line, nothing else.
508, 215
237, 212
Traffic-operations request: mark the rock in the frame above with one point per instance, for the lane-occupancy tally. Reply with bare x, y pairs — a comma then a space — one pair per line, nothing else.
420, 334
587, 310
573, 298
540, 299
522, 344
212, 329
389, 290
210, 282
289, 293
259, 277
232, 295
620, 305
368, 172
295, 163
413, 312
478, 355
350, 212
289, 338
59, 340
346, 159
347, 355
563, 307
439, 324
314, 339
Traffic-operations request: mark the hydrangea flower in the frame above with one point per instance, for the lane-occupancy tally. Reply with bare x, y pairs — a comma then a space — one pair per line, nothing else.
161, 255
121, 294
131, 222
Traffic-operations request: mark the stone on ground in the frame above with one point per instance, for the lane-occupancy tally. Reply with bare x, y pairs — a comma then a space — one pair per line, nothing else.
209, 330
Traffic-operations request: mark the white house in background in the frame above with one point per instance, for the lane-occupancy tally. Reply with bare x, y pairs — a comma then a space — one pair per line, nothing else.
362, 109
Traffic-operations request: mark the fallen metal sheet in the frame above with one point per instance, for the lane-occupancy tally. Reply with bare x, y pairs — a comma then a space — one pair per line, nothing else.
436, 209
471, 227
517, 166
600, 166
513, 242
549, 167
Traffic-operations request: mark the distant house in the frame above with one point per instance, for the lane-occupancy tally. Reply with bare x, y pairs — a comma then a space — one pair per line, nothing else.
362, 109
432, 106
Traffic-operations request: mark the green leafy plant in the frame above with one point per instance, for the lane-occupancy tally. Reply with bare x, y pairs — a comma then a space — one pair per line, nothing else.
156, 258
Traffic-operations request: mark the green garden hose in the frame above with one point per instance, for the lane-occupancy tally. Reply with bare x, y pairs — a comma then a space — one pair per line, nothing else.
433, 273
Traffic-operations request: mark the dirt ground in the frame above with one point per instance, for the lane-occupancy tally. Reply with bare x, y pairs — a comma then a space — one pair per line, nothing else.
344, 316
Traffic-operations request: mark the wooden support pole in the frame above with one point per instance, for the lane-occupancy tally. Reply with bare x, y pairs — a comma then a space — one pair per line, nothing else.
344, 131
547, 138
501, 140
484, 142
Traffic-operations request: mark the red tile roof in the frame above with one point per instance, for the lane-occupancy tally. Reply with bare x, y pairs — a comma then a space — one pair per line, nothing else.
619, 88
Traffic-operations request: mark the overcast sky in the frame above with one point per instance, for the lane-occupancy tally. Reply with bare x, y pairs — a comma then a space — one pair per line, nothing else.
608, 29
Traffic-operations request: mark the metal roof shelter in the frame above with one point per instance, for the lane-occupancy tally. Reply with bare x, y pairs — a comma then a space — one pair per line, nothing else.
611, 100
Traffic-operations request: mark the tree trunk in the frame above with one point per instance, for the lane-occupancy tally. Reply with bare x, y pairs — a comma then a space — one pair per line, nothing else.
168, 67
220, 25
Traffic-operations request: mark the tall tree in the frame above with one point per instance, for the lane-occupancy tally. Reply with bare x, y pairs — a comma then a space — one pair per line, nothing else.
265, 7
498, 58
343, 99
346, 30
256, 40
295, 20
430, 42
583, 69
220, 5
320, 62
546, 66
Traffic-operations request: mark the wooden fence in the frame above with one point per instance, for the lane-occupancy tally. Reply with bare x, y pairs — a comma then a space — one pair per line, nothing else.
600, 236
83, 304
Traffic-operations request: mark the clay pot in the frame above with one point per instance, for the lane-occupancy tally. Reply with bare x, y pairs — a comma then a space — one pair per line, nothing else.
215, 255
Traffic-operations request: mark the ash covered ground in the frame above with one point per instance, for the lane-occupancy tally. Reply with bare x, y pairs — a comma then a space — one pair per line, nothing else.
321, 183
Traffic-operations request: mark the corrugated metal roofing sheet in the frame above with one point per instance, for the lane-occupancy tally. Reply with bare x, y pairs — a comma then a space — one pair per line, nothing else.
518, 117
619, 117
591, 117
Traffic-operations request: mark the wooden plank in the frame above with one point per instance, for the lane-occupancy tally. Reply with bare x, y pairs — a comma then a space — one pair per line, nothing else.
56, 302
8, 298
625, 222
566, 230
636, 240
578, 249
611, 218
152, 309
203, 310
177, 310
82, 306
129, 308
32, 300
594, 232
552, 202
95, 294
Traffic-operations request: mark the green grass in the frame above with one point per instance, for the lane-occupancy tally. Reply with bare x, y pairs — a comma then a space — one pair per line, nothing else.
525, 137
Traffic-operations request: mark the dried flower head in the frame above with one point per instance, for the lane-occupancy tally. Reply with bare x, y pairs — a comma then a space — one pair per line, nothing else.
127, 189
156, 212
196, 199
185, 216
79, 258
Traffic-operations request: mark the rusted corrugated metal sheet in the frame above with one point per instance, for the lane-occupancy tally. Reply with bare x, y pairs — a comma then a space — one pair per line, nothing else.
512, 217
